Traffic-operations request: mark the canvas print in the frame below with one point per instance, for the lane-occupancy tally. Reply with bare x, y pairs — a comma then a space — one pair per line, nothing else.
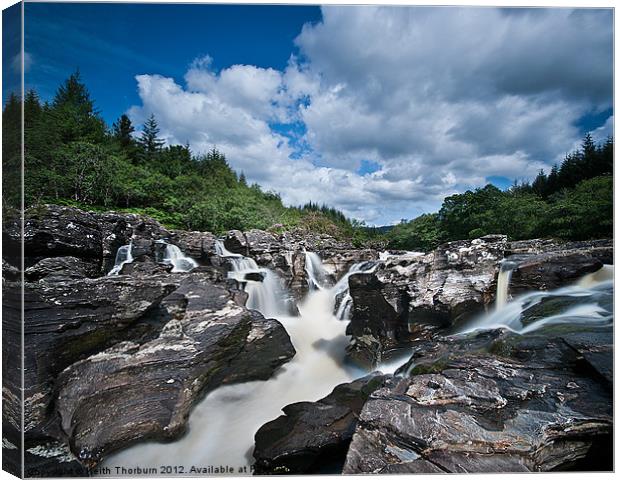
306, 239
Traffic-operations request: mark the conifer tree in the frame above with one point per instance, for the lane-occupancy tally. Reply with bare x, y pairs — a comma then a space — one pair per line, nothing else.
149, 140
122, 130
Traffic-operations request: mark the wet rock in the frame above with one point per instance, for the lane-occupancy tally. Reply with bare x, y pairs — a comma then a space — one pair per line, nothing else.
62, 268
10, 272
53, 231
548, 271
68, 320
210, 341
144, 265
521, 404
409, 293
313, 437
235, 242
198, 245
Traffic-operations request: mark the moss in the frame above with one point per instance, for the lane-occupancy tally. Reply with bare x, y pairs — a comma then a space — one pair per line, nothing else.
437, 366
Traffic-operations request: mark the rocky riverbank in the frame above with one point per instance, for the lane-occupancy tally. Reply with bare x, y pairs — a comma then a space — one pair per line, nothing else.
111, 360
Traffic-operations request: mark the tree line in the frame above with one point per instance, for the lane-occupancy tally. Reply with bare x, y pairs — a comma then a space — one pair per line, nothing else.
72, 157
574, 201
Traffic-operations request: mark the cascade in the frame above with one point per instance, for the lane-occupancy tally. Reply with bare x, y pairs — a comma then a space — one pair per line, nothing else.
123, 256
317, 276
223, 424
503, 283
175, 257
588, 302
266, 295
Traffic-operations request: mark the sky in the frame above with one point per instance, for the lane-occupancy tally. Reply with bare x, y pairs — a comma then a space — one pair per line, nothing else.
378, 111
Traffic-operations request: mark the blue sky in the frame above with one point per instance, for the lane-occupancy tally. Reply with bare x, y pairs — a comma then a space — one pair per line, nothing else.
373, 110
111, 44
11, 48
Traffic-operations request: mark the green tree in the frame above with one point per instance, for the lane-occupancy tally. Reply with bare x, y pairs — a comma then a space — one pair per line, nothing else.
149, 140
72, 116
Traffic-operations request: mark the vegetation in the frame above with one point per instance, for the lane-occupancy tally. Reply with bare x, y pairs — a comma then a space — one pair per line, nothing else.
73, 158
575, 201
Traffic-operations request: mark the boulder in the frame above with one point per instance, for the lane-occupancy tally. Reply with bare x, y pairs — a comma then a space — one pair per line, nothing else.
211, 340
51, 231
68, 320
62, 268
548, 271
198, 245
313, 437
235, 242
408, 293
523, 404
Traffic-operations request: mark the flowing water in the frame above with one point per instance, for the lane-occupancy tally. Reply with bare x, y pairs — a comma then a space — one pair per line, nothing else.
222, 426
587, 303
317, 276
503, 283
123, 256
175, 257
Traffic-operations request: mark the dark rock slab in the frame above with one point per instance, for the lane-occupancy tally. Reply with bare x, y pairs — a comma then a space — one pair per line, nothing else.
549, 271
66, 321
146, 391
198, 245
313, 437
490, 403
62, 268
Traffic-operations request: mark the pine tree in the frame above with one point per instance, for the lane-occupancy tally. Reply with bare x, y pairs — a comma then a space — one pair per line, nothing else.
242, 180
540, 183
149, 140
72, 114
122, 130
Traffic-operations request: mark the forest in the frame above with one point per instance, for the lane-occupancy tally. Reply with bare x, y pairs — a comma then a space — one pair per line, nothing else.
73, 158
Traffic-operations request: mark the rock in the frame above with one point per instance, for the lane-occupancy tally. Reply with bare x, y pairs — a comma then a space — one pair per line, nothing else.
236, 242
198, 245
66, 321
210, 341
548, 271
144, 265
313, 437
10, 272
523, 404
62, 268
51, 231
409, 293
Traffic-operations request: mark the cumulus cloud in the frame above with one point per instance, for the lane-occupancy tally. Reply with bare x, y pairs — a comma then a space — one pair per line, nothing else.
439, 98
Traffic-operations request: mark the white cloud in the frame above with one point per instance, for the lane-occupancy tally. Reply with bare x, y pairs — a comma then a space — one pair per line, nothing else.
440, 98
16, 64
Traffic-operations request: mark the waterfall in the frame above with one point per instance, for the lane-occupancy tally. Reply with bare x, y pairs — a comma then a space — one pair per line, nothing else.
503, 283
317, 276
223, 424
264, 288
123, 256
175, 257
587, 303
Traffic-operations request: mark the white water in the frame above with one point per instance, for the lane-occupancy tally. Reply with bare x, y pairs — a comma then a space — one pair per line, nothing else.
503, 283
175, 257
317, 276
587, 302
123, 256
223, 425
267, 296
